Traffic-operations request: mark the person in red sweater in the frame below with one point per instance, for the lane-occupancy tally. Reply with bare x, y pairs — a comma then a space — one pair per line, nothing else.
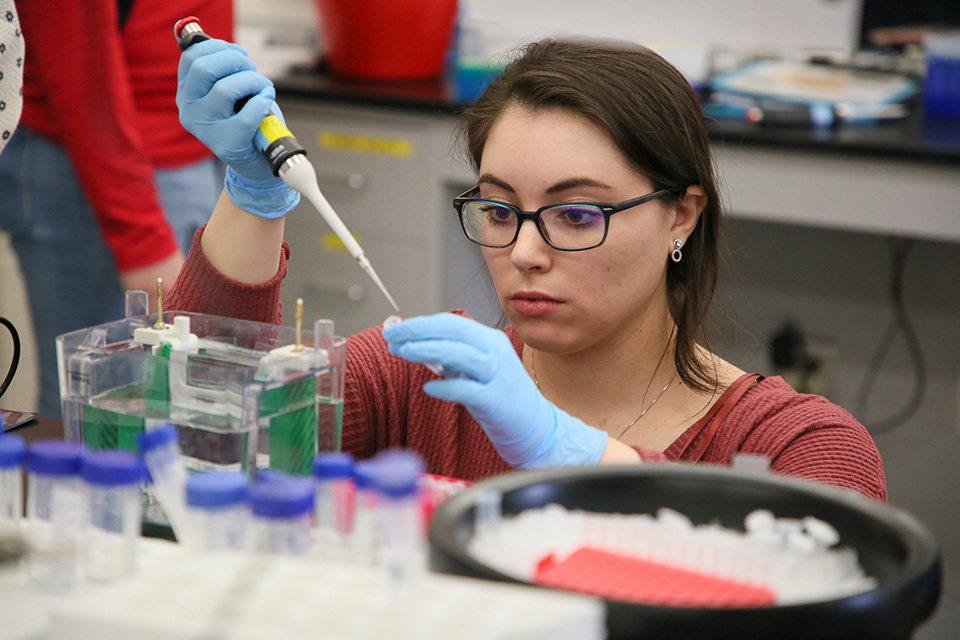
604, 359
101, 188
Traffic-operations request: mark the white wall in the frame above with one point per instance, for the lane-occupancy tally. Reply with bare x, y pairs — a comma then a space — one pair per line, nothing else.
739, 23
22, 393
681, 30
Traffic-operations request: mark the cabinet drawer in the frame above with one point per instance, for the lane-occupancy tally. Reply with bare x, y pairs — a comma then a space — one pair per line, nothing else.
370, 169
334, 286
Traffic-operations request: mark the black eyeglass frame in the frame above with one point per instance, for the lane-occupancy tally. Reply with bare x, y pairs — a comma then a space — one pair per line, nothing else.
608, 209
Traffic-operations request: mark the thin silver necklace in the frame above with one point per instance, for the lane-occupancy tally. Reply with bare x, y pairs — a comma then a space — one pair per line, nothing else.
533, 370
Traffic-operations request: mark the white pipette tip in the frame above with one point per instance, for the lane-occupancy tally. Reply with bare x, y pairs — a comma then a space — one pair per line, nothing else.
302, 178
366, 266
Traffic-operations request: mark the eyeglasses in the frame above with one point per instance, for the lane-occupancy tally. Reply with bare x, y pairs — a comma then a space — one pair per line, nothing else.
567, 227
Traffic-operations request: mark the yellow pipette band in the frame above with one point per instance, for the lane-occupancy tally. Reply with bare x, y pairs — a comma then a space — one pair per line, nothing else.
273, 129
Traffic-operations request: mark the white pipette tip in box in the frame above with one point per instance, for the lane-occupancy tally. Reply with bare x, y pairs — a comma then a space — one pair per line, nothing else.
392, 320
751, 462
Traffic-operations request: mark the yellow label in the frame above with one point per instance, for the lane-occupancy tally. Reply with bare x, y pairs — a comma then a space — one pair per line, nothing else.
358, 143
330, 242
273, 129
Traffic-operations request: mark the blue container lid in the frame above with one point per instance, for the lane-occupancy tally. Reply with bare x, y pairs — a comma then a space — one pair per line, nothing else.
111, 468
363, 474
159, 437
330, 465
54, 458
281, 497
11, 451
398, 472
216, 489
272, 475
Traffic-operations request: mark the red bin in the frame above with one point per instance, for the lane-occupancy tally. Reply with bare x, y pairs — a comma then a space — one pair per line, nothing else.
387, 39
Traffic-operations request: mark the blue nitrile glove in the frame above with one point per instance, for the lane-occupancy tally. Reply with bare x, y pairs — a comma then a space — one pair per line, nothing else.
213, 75
485, 375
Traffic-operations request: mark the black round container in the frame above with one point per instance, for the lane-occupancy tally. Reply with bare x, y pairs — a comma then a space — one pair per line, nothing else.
893, 547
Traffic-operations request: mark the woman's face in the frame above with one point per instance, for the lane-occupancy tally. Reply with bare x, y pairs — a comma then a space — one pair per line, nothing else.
567, 301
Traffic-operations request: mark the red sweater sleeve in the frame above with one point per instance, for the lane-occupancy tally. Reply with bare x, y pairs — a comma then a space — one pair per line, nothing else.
810, 437
802, 435
838, 454
77, 92
202, 289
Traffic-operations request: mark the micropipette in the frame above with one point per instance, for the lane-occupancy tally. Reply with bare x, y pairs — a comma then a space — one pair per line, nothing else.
288, 160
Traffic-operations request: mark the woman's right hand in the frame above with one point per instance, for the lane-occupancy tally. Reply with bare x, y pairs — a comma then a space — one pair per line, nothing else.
213, 76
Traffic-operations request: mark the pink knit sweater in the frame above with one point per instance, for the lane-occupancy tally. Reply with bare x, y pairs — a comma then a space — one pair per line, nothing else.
802, 435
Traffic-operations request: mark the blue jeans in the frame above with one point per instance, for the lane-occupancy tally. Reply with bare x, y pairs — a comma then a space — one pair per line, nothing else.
70, 275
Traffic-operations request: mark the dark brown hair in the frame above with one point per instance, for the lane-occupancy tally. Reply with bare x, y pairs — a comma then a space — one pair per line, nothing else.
654, 117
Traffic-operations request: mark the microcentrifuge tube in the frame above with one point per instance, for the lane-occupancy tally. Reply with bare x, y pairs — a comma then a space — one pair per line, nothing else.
12, 448
112, 481
488, 511
436, 368
403, 537
333, 473
161, 453
282, 508
364, 543
55, 515
217, 510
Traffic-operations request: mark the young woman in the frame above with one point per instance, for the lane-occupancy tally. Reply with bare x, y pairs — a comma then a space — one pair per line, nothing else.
598, 215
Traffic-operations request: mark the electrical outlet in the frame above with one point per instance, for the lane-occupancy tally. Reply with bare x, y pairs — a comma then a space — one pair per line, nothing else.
822, 352
806, 362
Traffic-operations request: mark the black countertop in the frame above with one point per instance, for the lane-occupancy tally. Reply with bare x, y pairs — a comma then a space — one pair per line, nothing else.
437, 95
914, 137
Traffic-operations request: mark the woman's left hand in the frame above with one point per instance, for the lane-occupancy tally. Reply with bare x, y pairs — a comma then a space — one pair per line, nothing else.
484, 374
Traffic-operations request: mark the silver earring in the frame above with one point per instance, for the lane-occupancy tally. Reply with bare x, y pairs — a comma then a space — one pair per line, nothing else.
676, 255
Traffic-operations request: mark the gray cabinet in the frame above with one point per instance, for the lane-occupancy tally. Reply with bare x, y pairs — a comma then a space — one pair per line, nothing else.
390, 176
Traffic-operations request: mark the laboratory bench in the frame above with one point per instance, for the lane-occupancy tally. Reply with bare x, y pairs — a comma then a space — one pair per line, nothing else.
915, 136
40, 428
387, 159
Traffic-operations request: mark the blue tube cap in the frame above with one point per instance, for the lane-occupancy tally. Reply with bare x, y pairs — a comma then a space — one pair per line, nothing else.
281, 498
216, 489
155, 438
363, 474
332, 465
111, 468
398, 472
54, 458
12, 449
272, 475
